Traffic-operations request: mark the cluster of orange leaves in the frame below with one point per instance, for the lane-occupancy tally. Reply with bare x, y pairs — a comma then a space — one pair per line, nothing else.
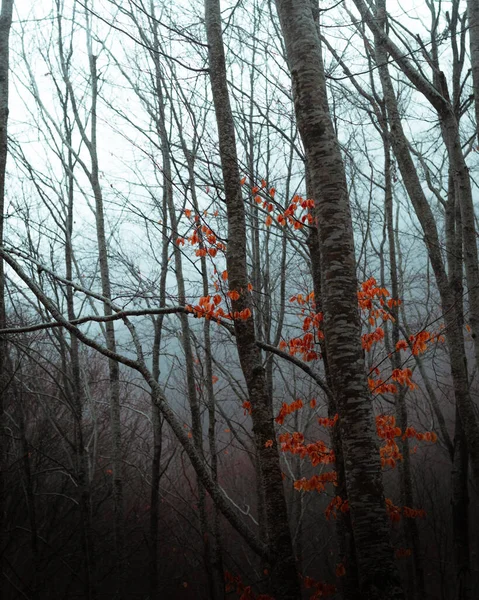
395, 512
288, 215
418, 343
287, 409
311, 326
247, 407
301, 345
368, 293
208, 307
320, 589
387, 430
336, 505
402, 376
235, 584
316, 482
202, 235
368, 339
317, 452
325, 422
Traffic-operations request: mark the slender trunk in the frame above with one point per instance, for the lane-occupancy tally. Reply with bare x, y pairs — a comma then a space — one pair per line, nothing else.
410, 526
460, 459
30, 497
342, 328
460, 514
473, 19
75, 387
92, 172
156, 418
113, 367
453, 331
5, 25
196, 425
284, 578
215, 553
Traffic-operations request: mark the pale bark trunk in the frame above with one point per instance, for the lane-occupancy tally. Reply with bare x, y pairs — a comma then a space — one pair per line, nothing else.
283, 575
344, 531
377, 572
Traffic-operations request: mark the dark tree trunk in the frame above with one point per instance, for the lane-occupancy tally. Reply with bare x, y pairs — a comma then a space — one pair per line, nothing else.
5, 26
283, 573
473, 19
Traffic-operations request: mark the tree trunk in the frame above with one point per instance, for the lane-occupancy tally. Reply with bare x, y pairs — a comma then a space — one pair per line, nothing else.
473, 19
460, 514
284, 577
410, 526
342, 329
156, 417
5, 25
453, 331
344, 530
113, 366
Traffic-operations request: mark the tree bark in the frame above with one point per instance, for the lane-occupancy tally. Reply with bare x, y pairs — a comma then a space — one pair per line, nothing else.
453, 331
5, 26
460, 514
410, 526
342, 329
473, 19
283, 574
344, 530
